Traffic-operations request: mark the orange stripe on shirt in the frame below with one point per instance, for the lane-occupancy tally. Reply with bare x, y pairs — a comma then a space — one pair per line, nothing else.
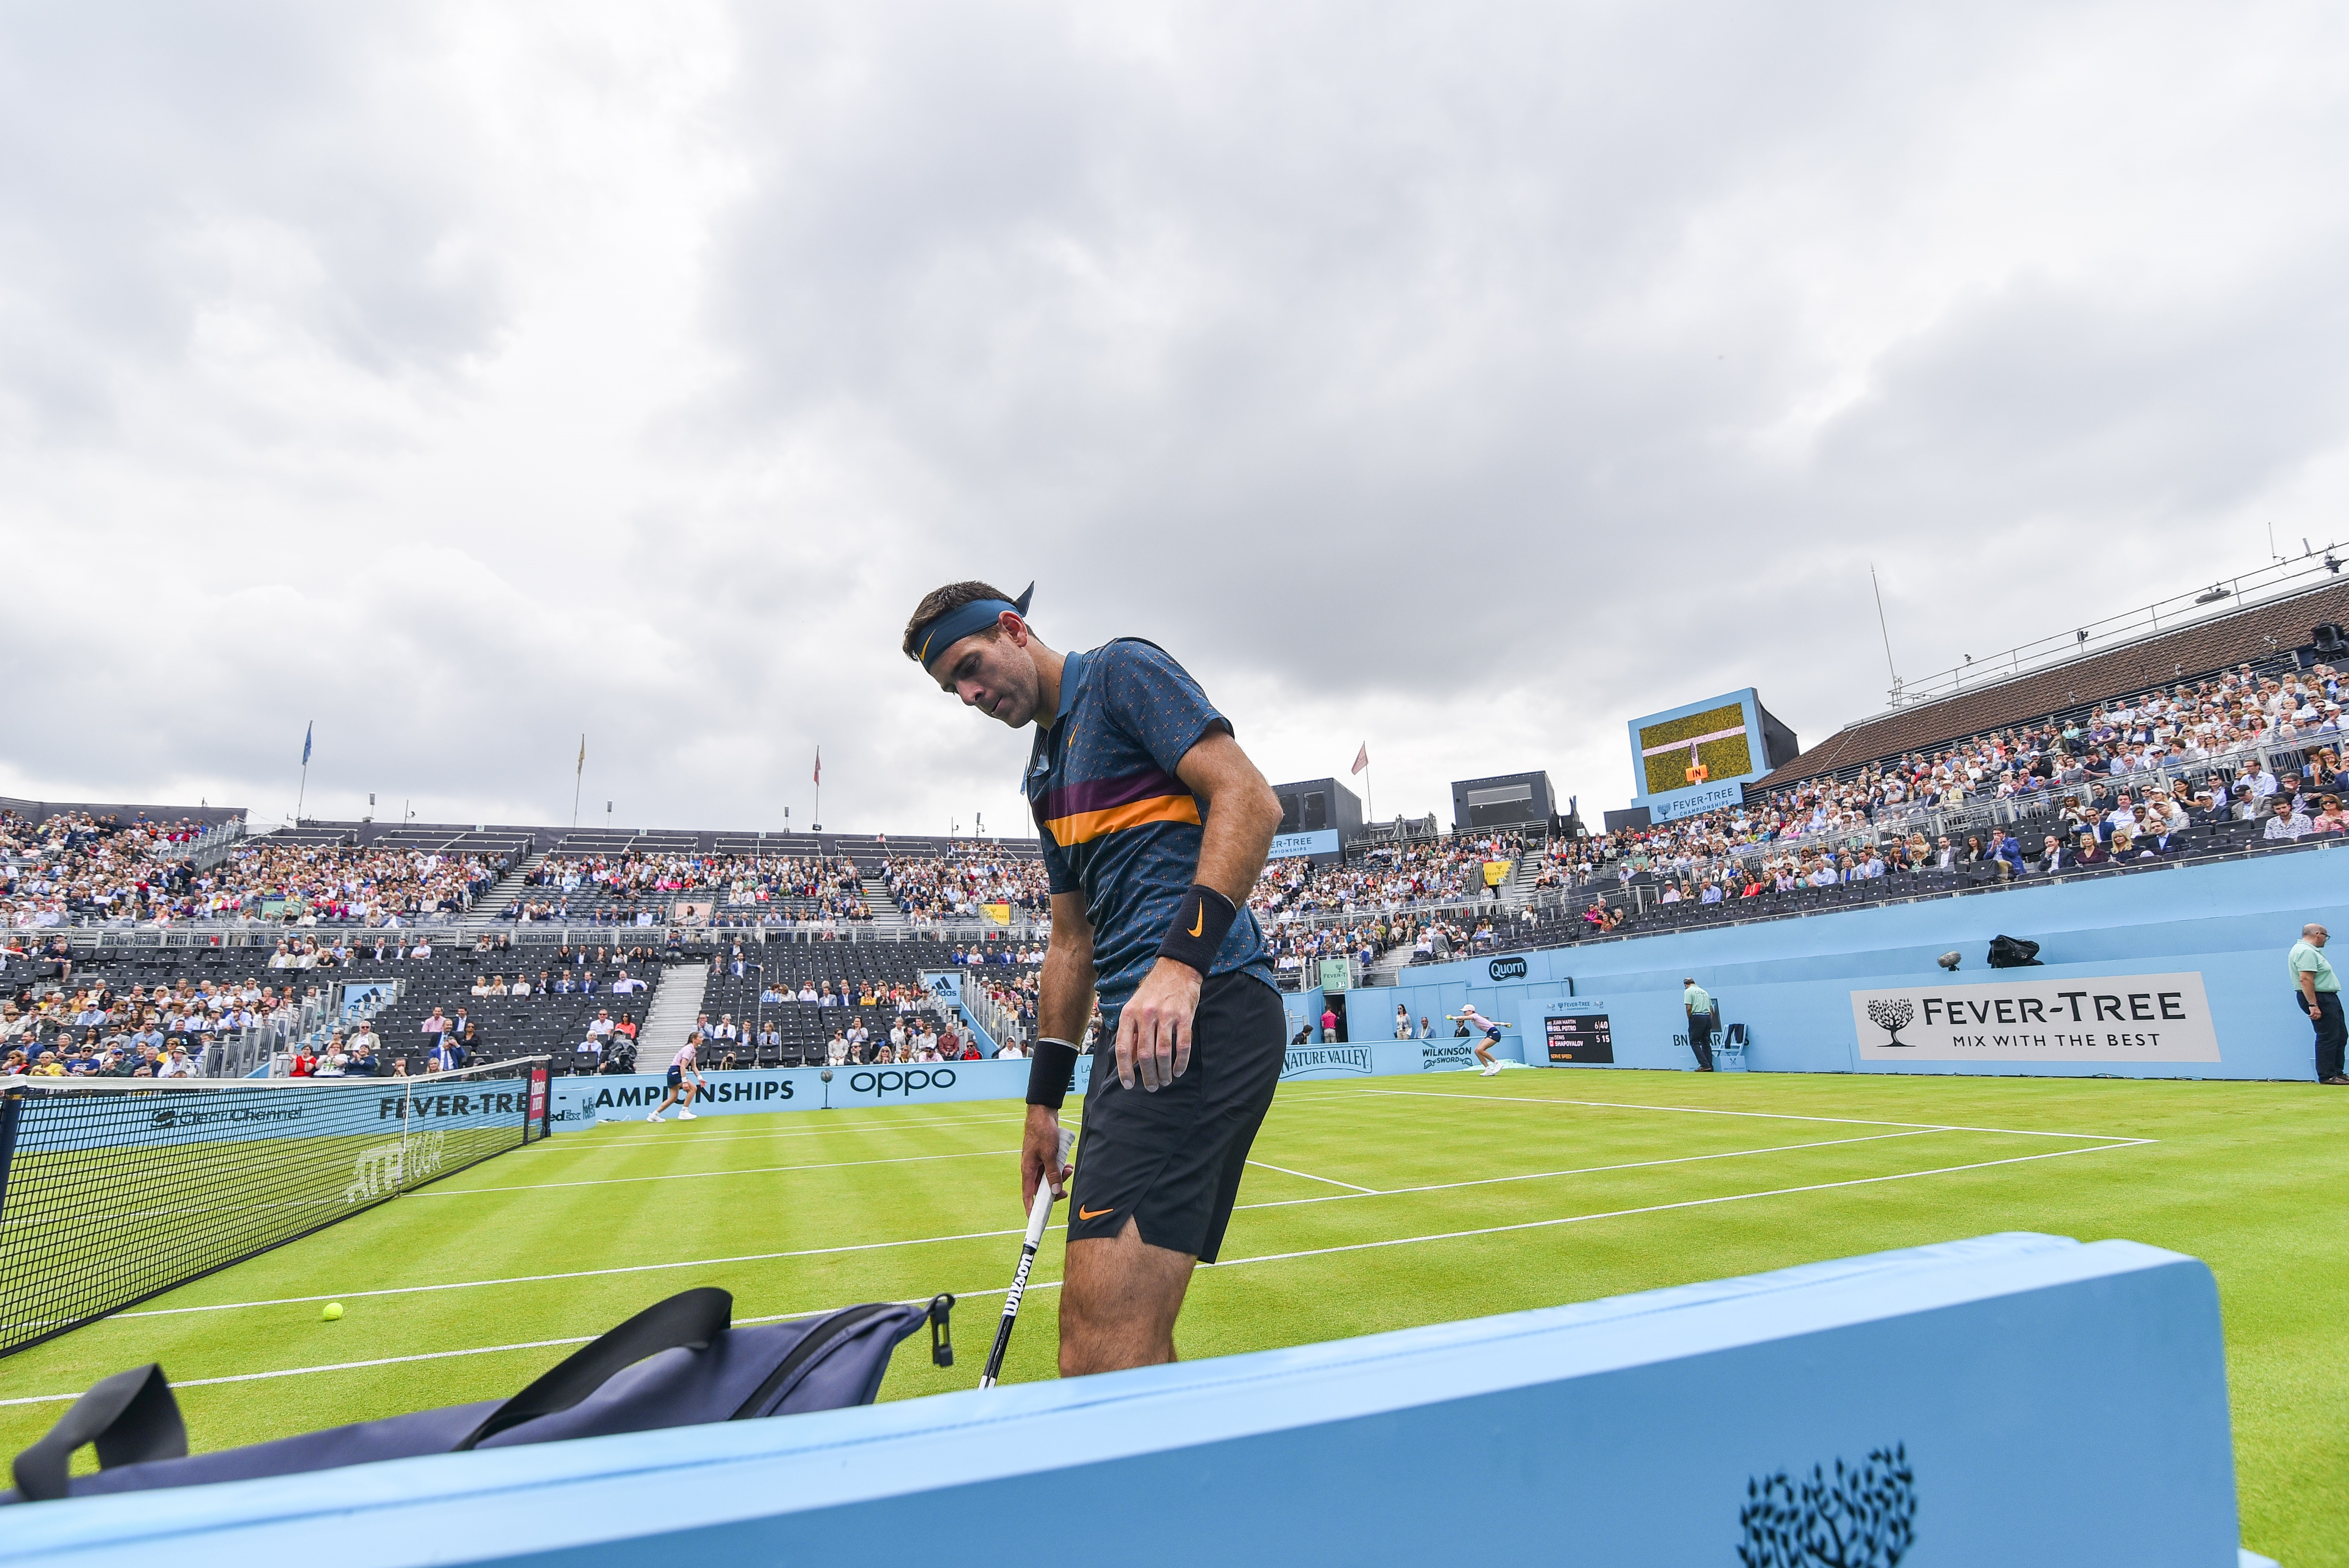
1086, 826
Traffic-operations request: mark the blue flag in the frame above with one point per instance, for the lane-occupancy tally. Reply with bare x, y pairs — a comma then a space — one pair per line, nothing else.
306, 741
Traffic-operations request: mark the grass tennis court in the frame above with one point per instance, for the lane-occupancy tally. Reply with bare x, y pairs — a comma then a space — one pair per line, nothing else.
1375, 1204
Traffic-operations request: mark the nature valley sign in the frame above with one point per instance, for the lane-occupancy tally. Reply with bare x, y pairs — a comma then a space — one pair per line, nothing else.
2117, 1019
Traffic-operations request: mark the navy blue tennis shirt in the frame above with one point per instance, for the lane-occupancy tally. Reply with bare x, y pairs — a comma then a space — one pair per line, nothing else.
1114, 820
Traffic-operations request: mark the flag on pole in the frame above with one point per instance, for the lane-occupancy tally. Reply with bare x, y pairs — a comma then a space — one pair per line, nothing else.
819, 764
1362, 758
306, 741
582, 756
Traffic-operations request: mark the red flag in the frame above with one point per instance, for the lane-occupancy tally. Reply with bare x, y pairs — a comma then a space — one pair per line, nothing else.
819, 764
1362, 758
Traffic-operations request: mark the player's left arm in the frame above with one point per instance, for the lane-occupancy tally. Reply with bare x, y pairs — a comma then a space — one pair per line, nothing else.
1242, 813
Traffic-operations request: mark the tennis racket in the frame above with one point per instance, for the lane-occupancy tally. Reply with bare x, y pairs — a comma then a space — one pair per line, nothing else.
1038, 1213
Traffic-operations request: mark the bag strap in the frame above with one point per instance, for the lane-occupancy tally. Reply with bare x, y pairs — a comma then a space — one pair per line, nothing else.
690, 1318
818, 1339
131, 1416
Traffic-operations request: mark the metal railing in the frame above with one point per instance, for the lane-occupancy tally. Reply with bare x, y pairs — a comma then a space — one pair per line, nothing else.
1001, 1023
206, 850
2278, 580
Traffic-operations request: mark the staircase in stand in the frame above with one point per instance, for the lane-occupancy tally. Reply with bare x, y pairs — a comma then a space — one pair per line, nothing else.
886, 915
487, 911
677, 1006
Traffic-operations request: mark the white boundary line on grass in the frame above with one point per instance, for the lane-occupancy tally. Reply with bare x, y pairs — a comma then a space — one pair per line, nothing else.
1762, 1114
1583, 1170
440, 1191
1332, 1180
1227, 1264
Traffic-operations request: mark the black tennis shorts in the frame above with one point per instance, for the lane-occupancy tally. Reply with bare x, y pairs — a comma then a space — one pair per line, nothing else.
1173, 1159
676, 1077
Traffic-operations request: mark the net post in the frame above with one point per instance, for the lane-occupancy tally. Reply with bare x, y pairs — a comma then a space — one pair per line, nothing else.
12, 1114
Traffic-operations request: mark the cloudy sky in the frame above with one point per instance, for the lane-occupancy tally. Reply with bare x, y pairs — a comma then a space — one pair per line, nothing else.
1462, 380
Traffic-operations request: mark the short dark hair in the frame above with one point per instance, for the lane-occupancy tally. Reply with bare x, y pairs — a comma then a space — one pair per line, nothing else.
938, 601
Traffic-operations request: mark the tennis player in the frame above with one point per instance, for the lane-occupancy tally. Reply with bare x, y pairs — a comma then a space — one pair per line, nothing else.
684, 1079
1492, 1027
1154, 825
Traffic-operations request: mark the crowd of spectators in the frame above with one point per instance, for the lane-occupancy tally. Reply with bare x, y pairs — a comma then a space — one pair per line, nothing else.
1384, 877
161, 1031
640, 889
960, 885
2144, 768
71, 869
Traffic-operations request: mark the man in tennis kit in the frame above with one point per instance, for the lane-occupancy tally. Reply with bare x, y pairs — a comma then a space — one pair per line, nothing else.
684, 1077
1155, 826
1475, 1019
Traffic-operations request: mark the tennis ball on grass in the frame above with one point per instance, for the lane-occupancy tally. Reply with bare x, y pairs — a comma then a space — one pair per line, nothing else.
331, 1311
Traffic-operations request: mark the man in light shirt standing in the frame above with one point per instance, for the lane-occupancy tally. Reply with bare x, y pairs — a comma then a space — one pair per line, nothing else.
1698, 1003
2317, 991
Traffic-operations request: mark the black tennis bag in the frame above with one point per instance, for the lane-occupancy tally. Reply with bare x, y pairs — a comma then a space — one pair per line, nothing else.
2012, 953
676, 1364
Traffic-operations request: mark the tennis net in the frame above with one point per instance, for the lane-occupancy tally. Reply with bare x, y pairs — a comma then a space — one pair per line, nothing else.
113, 1191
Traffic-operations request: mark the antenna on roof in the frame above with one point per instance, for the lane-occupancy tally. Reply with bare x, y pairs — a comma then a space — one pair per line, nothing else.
1886, 632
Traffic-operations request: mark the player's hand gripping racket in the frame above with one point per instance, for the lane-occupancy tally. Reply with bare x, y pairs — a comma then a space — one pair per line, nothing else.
1040, 1214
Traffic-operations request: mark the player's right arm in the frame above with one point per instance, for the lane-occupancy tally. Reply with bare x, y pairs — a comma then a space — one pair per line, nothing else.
1064, 1007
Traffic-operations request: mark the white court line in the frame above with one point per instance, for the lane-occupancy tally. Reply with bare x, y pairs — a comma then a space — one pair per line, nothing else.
978, 1235
1764, 1114
1664, 1208
439, 1192
1586, 1169
1333, 1181
1227, 1264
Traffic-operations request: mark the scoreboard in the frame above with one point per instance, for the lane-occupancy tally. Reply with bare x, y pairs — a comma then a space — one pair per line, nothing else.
1578, 1038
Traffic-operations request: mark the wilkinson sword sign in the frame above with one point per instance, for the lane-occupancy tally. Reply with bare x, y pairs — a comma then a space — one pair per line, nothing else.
2123, 1018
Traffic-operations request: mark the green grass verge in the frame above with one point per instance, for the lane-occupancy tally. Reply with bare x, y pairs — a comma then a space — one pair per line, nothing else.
798, 1213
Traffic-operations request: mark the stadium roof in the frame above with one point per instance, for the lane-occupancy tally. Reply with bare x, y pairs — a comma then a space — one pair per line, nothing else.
2256, 631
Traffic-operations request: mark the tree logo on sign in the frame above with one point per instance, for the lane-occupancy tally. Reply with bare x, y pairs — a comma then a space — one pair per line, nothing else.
1864, 1516
1892, 1015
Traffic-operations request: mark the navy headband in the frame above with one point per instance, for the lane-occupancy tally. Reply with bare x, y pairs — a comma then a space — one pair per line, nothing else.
953, 625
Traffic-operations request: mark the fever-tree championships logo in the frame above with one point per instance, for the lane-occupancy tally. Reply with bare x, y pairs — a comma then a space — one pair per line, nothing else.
1862, 1516
1892, 1015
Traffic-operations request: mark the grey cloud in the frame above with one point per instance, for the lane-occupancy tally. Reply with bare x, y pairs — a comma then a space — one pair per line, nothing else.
162, 162
1468, 378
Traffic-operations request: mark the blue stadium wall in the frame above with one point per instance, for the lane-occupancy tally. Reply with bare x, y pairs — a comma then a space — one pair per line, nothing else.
1790, 982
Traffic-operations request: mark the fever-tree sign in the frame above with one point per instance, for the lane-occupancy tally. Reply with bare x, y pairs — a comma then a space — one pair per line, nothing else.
2115, 1019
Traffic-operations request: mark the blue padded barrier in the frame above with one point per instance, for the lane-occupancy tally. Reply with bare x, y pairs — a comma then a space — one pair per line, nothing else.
2025, 1398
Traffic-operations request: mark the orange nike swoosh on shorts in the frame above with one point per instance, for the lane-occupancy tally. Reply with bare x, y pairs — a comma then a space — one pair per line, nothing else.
1095, 1213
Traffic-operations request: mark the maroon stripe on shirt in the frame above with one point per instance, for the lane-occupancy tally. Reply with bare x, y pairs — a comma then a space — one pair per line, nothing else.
1100, 794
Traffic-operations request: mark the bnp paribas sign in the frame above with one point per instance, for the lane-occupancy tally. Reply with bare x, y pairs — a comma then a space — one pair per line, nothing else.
2124, 1019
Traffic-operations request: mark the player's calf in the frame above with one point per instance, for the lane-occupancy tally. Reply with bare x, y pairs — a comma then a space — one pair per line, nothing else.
1119, 1302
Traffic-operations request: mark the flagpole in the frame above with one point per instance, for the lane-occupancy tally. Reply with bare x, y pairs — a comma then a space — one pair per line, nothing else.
303, 793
